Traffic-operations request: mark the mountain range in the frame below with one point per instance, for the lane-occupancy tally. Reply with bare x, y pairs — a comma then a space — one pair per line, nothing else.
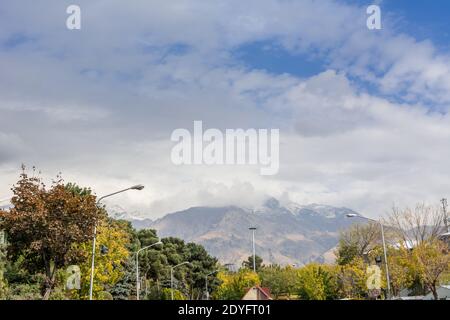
291, 234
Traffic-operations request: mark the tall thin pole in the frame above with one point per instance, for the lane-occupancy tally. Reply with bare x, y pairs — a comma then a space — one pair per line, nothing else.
138, 284
444, 207
386, 261
91, 286
171, 283
253, 247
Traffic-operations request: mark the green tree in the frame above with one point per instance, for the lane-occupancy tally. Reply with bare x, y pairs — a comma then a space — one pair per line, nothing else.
317, 282
355, 242
3, 282
280, 281
155, 263
249, 263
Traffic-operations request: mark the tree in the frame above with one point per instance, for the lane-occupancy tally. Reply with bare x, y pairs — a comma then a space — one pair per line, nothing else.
357, 241
413, 226
234, 285
316, 282
351, 279
43, 226
400, 273
125, 288
189, 279
432, 261
3, 283
280, 281
249, 263
109, 264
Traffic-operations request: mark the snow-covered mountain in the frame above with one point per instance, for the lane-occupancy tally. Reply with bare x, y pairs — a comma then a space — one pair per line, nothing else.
291, 234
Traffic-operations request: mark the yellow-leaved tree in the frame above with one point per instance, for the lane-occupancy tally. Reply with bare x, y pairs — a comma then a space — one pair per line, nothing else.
234, 285
110, 257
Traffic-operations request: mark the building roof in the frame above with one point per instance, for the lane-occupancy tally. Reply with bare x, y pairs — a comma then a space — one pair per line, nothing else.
264, 290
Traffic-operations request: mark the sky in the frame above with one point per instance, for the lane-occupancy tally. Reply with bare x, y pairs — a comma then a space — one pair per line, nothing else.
363, 114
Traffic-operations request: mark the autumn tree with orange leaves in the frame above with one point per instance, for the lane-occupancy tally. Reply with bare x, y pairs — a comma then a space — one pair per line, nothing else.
44, 224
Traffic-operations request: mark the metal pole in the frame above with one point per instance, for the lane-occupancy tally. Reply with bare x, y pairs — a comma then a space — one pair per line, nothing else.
254, 251
444, 207
386, 262
253, 247
171, 283
138, 285
93, 262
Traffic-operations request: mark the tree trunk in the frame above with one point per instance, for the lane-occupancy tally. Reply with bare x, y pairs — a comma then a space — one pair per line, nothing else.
435, 294
49, 279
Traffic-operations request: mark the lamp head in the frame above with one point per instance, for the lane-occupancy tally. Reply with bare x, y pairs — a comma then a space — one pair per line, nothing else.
137, 187
351, 215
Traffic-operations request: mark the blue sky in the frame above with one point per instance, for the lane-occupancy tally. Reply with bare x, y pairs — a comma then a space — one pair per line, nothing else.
363, 114
424, 20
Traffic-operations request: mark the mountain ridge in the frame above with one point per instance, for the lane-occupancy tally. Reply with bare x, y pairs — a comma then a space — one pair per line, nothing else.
291, 234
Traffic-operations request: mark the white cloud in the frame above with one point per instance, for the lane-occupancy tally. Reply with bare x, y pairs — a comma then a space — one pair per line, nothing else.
100, 104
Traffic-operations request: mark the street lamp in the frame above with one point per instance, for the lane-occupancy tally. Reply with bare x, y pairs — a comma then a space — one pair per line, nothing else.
206, 282
171, 276
91, 287
353, 215
137, 266
253, 247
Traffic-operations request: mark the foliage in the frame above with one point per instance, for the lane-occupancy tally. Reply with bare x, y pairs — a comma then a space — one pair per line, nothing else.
351, 279
44, 225
155, 264
317, 282
280, 281
109, 267
125, 288
432, 262
3, 282
234, 285
249, 263
357, 241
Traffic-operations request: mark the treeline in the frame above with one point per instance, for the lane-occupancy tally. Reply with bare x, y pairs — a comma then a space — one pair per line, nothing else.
50, 232
49, 235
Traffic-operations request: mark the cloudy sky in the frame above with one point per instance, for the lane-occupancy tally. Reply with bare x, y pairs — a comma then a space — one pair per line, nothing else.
363, 114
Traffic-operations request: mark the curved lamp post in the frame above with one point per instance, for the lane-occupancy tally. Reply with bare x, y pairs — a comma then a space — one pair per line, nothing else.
137, 266
352, 215
136, 187
171, 276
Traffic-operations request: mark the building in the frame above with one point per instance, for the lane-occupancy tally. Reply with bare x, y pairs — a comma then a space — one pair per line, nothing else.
257, 293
